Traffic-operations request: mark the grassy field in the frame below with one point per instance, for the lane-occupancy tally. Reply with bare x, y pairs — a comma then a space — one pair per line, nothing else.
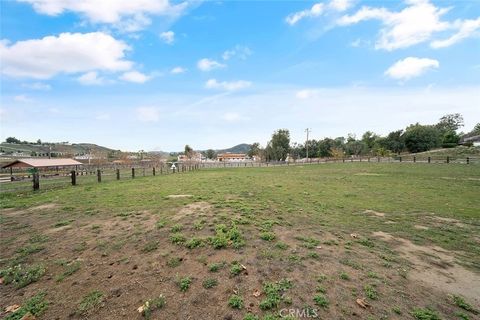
332, 241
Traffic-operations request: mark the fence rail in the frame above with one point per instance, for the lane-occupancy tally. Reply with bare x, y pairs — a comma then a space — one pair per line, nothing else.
50, 179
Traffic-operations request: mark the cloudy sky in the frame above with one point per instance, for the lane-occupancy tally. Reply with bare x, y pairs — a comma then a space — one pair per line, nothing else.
158, 74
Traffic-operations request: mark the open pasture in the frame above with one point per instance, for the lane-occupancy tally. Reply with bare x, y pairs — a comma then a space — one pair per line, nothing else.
335, 241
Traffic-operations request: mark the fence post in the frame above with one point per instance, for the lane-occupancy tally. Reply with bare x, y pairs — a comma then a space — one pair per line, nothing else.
414, 159
448, 159
144, 172
343, 160
36, 181
118, 174
429, 159
378, 159
74, 177
400, 159
133, 173
468, 160
99, 175
153, 171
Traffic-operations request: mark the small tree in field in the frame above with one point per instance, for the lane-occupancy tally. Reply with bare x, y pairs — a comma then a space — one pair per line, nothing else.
210, 154
188, 151
337, 153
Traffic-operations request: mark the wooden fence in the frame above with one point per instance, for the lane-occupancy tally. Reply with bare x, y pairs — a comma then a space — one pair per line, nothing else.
49, 179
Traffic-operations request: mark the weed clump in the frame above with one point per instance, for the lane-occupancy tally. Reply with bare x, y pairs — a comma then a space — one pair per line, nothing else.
35, 306
235, 301
274, 293
151, 305
22, 275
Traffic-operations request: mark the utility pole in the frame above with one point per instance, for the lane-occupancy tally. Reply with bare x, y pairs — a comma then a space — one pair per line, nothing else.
306, 144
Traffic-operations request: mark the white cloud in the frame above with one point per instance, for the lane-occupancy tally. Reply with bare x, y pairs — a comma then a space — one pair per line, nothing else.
37, 86
306, 94
66, 53
168, 37
315, 11
411, 67
208, 64
227, 85
148, 114
414, 24
318, 9
466, 29
135, 76
178, 70
129, 16
341, 5
22, 98
239, 51
233, 117
91, 78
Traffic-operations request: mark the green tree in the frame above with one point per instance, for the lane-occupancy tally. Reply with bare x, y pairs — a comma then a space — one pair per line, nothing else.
355, 147
254, 150
279, 146
395, 141
12, 140
369, 138
325, 147
450, 139
210, 154
450, 122
419, 138
188, 151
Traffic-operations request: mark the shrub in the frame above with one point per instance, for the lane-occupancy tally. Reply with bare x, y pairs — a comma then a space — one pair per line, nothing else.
235, 302
321, 301
185, 283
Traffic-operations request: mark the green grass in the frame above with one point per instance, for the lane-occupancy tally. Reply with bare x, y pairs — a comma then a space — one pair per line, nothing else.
69, 270
210, 283
22, 275
321, 301
425, 314
235, 301
90, 302
274, 294
304, 214
36, 306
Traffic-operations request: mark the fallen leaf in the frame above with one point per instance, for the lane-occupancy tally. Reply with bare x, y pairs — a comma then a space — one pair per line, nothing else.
319, 247
243, 267
256, 293
141, 309
12, 308
354, 235
362, 303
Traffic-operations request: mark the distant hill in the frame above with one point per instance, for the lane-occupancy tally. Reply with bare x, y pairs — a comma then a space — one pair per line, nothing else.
21, 149
239, 148
460, 151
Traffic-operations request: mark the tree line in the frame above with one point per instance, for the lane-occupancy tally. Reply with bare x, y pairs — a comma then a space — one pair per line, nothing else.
414, 138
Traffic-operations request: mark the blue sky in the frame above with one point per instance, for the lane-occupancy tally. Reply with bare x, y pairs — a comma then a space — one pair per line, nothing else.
156, 75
